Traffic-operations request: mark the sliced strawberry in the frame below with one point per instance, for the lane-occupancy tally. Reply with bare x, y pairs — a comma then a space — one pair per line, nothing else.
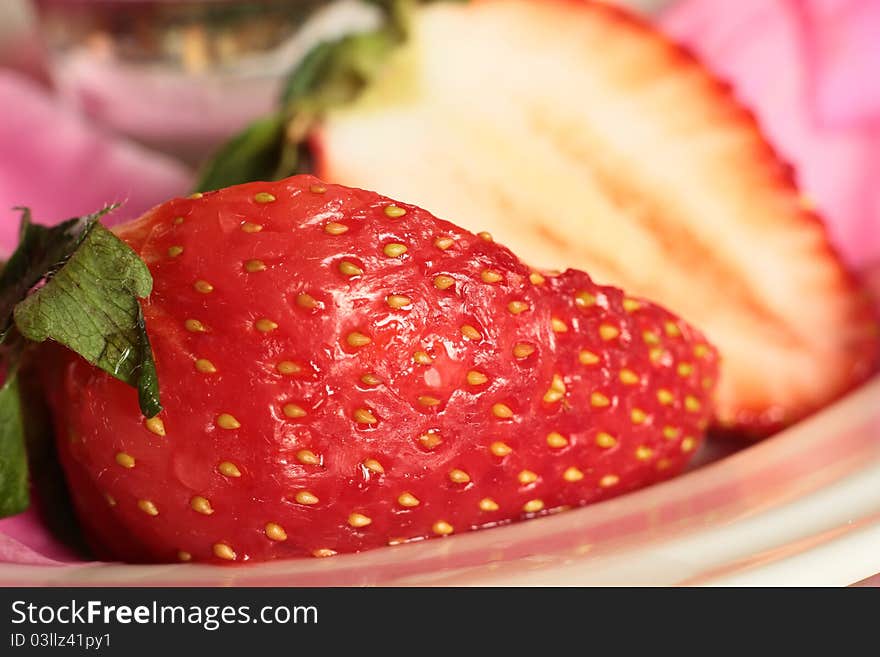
339, 371
579, 136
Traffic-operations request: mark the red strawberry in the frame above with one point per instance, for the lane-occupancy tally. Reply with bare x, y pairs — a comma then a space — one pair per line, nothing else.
581, 137
340, 372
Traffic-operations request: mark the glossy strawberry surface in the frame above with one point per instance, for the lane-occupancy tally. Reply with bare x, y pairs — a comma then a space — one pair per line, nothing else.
341, 371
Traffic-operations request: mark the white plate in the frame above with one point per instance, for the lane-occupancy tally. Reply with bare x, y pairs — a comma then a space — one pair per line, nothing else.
801, 508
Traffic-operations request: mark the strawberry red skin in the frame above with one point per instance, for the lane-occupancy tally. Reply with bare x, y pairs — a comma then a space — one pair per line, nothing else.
145, 512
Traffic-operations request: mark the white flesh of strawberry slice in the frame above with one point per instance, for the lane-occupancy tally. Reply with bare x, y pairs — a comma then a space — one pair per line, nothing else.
580, 138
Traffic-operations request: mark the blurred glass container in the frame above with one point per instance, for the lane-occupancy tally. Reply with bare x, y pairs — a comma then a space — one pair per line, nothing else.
183, 76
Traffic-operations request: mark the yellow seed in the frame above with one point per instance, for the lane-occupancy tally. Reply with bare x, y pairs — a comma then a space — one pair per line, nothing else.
275, 532
363, 416
174, 251
663, 464
305, 497
111, 501
194, 326
148, 507
692, 404
264, 197
177, 221
335, 228
442, 528
288, 367
631, 305
502, 411
307, 457
523, 350
182, 555
357, 339
430, 440
370, 379
223, 551
517, 307
155, 425
485, 236
293, 411
408, 500
195, 195
629, 377
374, 466
688, 444
323, 553
685, 369
572, 474
533, 506
701, 351
394, 250
476, 378
644, 453
655, 354
457, 476
317, 189
598, 400
609, 480
707, 382
672, 329
203, 286
587, 357
536, 279
470, 333
605, 440
304, 300
488, 504
650, 337
393, 211
526, 477
358, 520
584, 299
671, 433
398, 301
250, 227
665, 397
443, 282
228, 469
638, 416
558, 325
491, 276
422, 358
556, 440
350, 269
227, 421
500, 449
125, 460
556, 391
253, 266
608, 332
443, 242
265, 325
201, 505
427, 400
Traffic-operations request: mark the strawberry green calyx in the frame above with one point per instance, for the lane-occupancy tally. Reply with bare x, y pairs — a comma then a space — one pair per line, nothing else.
78, 284
333, 74
14, 496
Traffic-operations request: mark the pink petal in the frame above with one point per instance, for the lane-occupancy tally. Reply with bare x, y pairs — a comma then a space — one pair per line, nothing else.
842, 39
768, 51
61, 166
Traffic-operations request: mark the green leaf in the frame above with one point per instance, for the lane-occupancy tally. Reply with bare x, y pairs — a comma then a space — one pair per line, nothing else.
41, 250
14, 496
251, 155
90, 305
